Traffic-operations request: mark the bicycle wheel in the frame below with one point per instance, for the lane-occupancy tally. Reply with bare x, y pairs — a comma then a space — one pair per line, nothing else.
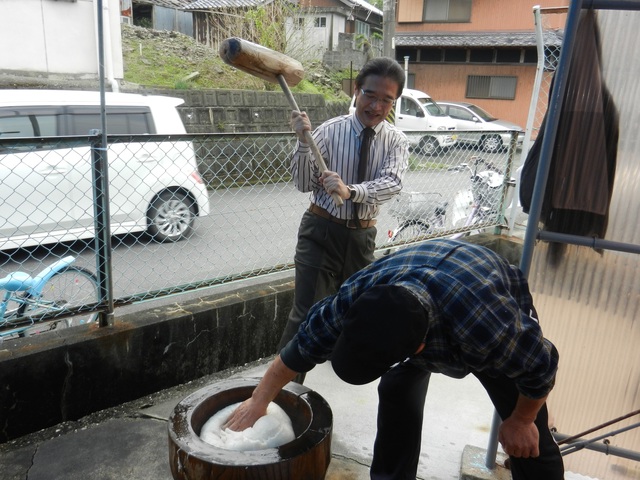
408, 231
68, 288
412, 230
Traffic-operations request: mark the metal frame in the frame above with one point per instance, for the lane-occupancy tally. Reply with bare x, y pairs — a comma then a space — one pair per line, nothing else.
532, 233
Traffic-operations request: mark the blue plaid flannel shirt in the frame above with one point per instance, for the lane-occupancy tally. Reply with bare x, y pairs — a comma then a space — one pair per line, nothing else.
479, 315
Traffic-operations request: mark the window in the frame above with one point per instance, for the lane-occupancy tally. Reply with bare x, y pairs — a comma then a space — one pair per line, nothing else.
120, 120
508, 55
460, 113
363, 28
447, 10
481, 55
530, 55
320, 22
409, 107
455, 55
406, 52
431, 55
29, 123
484, 86
411, 80
298, 23
432, 107
485, 55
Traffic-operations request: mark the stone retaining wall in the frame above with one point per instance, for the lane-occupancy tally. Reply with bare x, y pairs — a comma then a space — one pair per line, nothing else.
234, 111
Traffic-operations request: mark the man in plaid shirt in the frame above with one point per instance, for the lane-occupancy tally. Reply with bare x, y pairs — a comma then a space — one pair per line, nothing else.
444, 306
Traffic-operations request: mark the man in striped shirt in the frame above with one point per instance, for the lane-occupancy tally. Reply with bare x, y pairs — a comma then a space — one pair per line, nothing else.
444, 306
336, 241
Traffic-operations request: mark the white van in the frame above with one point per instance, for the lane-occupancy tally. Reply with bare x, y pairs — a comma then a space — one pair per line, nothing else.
46, 193
416, 113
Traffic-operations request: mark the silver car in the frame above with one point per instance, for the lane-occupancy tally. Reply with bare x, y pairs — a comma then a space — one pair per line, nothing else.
471, 118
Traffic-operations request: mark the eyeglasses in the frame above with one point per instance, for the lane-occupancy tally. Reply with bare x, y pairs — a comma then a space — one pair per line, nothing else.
370, 96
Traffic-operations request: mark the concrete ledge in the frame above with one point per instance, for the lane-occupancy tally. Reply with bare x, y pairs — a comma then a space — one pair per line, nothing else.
509, 247
473, 466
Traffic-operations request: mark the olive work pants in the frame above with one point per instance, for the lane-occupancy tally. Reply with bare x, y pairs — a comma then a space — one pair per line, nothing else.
402, 392
327, 254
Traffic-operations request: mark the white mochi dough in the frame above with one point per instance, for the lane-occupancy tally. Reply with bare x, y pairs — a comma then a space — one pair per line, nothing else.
272, 430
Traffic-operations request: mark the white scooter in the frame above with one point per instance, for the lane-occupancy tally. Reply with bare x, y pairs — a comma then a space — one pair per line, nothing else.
482, 202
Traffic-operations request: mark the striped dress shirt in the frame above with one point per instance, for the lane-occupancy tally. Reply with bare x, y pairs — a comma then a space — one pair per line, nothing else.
339, 142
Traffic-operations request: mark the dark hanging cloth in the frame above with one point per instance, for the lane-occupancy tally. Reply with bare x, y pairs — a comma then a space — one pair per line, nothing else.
583, 163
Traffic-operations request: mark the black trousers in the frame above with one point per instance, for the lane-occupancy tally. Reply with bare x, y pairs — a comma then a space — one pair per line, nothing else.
402, 392
326, 255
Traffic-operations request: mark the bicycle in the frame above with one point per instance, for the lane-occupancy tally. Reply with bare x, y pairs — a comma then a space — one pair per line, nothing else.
422, 215
418, 214
56, 288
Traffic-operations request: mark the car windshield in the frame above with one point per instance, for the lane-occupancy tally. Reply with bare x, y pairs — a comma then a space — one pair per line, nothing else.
478, 112
432, 107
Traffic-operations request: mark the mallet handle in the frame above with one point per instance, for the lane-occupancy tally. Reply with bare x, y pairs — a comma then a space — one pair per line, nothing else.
307, 135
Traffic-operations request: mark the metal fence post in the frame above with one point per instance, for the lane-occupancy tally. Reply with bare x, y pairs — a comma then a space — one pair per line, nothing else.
102, 224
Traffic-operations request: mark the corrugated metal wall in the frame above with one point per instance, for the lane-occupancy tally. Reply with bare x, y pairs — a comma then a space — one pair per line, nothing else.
171, 19
589, 302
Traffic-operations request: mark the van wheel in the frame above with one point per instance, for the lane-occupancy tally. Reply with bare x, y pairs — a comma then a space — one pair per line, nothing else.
491, 143
429, 146
171, 217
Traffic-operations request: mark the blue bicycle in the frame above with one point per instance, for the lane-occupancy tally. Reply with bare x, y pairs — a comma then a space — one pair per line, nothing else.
57, 288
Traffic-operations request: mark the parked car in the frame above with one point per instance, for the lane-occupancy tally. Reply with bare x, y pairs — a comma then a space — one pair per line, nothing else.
46, 194
415, 113
471, 117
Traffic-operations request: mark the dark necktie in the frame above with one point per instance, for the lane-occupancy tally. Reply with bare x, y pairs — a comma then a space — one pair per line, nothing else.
365, 146
367, 135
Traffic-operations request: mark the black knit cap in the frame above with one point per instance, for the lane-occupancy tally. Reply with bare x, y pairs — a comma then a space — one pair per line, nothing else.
384, 326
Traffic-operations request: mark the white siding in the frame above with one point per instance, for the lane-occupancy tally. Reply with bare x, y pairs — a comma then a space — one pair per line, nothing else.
56, 37
309, 42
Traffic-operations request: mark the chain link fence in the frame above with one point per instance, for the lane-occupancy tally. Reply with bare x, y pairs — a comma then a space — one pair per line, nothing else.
195, 211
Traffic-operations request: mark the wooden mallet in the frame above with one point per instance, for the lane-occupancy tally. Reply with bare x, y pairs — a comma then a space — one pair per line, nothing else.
274, 67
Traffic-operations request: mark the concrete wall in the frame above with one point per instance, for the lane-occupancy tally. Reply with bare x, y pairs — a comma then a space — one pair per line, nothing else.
233, 111
68, 374
345, 54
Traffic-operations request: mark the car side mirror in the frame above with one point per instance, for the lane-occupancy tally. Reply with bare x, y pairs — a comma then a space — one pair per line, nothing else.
420, 114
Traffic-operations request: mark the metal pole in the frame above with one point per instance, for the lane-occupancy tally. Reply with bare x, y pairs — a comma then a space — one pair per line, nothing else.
553, 118
593, 242
535, 95
492, 447
406, 72
388, 27
102, 216
612, 4
577, 445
